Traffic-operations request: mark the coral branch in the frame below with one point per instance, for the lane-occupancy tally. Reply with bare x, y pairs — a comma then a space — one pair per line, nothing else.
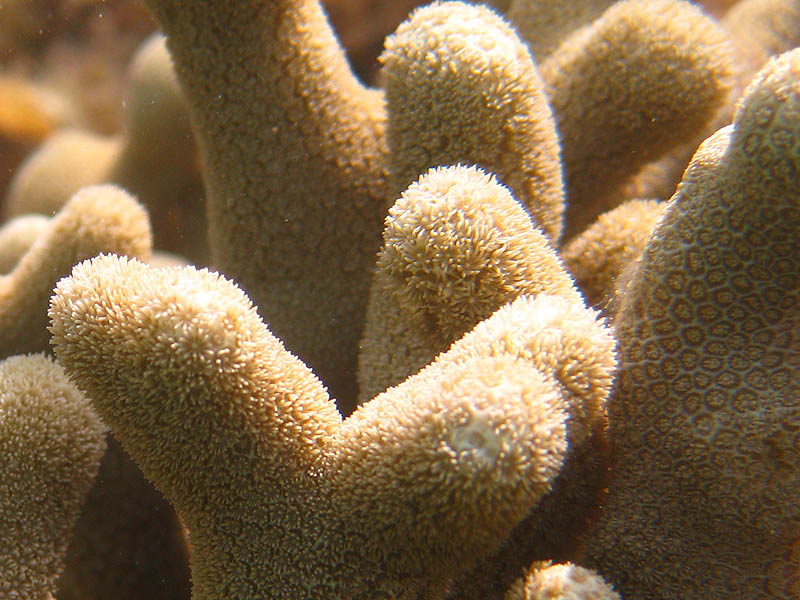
295, 159
51, 442
461, 88
96, 219
280, 497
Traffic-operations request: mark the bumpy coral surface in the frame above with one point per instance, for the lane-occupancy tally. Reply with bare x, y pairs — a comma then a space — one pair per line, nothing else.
289, 501
601, 255
617, 101
561, 582
96, 219
457, 247
500, 453
51, 442
704, 419
461, 87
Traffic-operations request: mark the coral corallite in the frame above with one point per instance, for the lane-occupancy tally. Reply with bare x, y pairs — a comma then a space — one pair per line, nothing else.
704, 418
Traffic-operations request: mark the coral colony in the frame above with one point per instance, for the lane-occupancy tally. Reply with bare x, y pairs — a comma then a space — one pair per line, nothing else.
519, 321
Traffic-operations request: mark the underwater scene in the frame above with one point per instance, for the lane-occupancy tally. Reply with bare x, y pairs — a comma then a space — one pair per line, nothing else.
399, 300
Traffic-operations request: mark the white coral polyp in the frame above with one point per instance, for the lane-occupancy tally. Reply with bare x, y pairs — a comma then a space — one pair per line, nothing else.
479, 439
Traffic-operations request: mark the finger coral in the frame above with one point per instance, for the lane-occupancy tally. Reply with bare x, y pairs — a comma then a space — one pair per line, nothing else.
51, 442
639, 80
457, 246
561, 582
127, 542
477, 465
68, 161
154, 158
96, 219
600, 255
544, 24
462, 88
16, 238
575, 352
289, 501
763, 28
703, 420
295, 165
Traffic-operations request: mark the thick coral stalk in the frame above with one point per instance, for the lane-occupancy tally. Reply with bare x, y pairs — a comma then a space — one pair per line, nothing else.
457, 247
461, 88
294, 160
544, 24
638, 81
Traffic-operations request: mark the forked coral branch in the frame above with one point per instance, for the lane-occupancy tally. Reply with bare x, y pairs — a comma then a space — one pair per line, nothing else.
284, 500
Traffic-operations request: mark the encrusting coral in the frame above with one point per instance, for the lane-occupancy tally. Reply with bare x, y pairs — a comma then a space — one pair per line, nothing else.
289, 501
51, 442
704, 417
457, 247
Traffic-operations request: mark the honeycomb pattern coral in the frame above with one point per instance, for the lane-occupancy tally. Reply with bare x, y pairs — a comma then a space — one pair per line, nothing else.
704, 417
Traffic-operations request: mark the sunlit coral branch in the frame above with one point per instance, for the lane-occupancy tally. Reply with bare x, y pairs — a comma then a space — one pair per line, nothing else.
457, 246
561, 582
575, 352
641, 79
288, 501
461, 88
